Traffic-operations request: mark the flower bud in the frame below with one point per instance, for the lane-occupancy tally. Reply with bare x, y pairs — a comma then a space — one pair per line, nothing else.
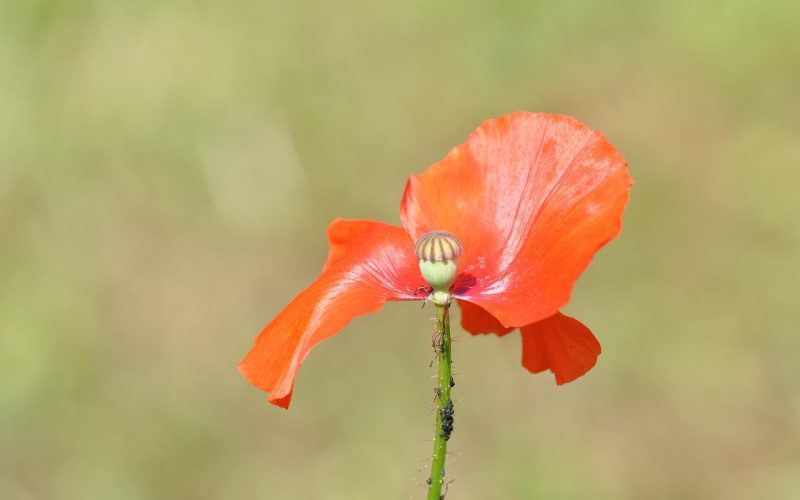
437, 252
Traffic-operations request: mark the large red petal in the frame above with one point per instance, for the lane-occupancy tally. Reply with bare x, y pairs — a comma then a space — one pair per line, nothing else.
560, 344
476, 320
369, 264
532, 197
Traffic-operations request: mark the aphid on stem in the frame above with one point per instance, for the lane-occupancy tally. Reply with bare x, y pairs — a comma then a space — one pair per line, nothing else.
436, 393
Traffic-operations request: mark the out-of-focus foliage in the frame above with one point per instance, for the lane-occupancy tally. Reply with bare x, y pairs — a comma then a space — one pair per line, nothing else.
167, 171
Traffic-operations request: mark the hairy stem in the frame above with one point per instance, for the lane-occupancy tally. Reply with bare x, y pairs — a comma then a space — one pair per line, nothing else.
444, 405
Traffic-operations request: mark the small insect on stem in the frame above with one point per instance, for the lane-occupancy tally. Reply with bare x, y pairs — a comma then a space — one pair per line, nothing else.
437, 343
436, 393
446, 488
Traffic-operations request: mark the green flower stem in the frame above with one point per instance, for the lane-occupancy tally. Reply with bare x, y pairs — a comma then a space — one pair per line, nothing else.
444, 405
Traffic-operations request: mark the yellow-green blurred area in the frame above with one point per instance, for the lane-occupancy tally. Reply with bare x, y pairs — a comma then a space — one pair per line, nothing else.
167, 172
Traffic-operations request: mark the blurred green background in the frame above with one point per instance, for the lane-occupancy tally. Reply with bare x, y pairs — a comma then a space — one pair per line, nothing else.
167, 172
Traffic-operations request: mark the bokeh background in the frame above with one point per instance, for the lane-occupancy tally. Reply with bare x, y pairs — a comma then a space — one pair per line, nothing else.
167, 172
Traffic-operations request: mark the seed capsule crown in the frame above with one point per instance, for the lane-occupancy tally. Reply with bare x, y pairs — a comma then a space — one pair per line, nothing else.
437, 246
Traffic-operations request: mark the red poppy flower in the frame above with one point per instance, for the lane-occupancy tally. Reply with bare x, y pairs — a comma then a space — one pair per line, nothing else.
531, 197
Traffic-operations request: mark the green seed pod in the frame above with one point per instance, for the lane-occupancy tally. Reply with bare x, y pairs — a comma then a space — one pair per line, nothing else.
438, 252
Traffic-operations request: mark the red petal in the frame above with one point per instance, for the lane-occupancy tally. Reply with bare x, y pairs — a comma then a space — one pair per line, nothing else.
369, 264
476, 320
560, 344
532, 197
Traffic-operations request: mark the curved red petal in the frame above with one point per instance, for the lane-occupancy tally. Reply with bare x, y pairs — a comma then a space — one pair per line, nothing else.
476, 320
532, 197
369, 264
560, 344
